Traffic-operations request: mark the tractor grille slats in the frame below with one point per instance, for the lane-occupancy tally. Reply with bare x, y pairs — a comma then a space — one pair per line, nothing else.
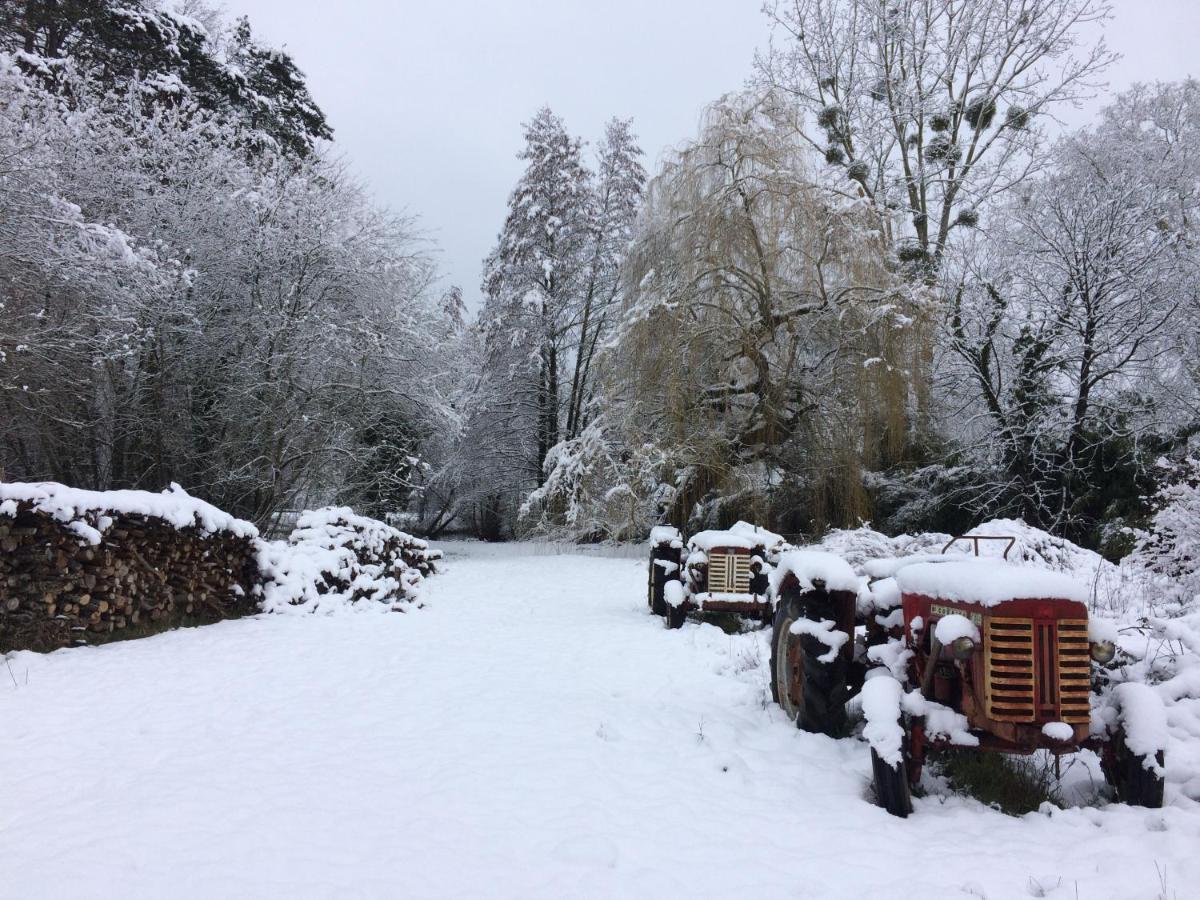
1037, 671
728, 573
1009, 673
1074, 671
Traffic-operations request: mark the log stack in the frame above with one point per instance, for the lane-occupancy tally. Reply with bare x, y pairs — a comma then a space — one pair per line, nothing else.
336, 560
73, 571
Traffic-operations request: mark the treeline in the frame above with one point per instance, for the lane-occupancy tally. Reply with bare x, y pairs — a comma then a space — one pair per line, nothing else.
192, 289
880, 284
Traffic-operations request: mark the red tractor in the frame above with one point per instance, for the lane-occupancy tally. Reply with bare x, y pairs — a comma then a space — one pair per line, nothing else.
1003, 658
968, 653
716, 571
808, 596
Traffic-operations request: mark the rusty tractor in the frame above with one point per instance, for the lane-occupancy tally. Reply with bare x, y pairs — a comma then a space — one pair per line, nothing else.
999, 657
714, 571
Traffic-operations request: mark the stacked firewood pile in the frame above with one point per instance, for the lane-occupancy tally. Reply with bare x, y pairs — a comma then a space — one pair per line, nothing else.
333, 560
83, 567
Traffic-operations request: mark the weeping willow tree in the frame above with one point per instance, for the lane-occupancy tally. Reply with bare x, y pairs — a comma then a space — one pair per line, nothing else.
765, 334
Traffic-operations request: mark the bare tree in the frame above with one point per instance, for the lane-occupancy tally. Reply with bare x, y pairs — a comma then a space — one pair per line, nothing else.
929, 108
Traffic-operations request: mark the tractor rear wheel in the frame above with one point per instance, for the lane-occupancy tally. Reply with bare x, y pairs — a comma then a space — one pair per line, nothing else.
1126, 772
811, 693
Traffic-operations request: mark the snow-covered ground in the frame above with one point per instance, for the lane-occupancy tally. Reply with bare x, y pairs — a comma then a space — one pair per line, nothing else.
531, 732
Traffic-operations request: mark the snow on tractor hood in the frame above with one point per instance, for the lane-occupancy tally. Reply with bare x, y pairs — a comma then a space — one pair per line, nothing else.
810, 566
988, 582
769, 540
711, 540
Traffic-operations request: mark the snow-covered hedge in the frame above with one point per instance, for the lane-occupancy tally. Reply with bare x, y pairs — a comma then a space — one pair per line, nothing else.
335, 561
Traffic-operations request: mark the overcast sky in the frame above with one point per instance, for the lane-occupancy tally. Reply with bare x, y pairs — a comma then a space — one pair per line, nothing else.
427, 97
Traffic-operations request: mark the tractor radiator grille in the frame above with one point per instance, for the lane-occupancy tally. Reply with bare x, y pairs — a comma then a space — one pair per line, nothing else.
1037, 671
1074, 671
728, 573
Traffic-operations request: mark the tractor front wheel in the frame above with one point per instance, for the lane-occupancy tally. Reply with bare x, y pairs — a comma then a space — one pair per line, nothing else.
675, 615
890, 734
1128, 774
812, 693
891, 785
664, 567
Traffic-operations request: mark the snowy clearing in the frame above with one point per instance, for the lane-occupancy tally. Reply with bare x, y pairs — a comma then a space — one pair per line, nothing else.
531, 732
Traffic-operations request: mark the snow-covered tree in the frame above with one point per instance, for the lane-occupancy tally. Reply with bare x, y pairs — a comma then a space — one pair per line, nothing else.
176, 309
535, 276
1169, 554
620, 181
1065, 325
175, 59
760, 322
929, 108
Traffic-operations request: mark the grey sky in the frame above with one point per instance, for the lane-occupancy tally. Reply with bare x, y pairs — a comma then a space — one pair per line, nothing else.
427, 98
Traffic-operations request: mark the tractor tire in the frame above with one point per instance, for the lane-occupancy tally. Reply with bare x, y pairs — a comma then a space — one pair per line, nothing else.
892, 790
811, 693
1126, 772
883, 712
675, 616
655, 592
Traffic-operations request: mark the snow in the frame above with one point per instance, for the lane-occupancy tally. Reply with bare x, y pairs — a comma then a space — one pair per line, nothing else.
673, 593
772, 542
67, 504
1058, 731
334, 559
665, 534
811, 566
881, 708
887, 568
710, 540
825, 631
1144, 718
988, 582
1100, 630
941, 722
949, 629
532, 732
879, 596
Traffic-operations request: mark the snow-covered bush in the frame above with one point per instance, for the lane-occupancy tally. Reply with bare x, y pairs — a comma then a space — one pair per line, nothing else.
595, 489
333, 560
1169, 555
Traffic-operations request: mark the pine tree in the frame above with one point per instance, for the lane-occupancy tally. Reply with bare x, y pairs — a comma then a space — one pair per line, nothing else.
272, 94
173, 61
621, 183
534, 279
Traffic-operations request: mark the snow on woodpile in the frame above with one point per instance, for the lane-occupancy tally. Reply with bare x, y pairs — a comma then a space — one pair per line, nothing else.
335, 561
988, 582
809, 567
83, 566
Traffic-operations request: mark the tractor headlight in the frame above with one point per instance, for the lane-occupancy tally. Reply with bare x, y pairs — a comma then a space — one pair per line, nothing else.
1104, 651
962, 648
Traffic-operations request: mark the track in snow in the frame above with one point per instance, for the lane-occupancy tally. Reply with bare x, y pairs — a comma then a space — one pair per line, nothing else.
532, 732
